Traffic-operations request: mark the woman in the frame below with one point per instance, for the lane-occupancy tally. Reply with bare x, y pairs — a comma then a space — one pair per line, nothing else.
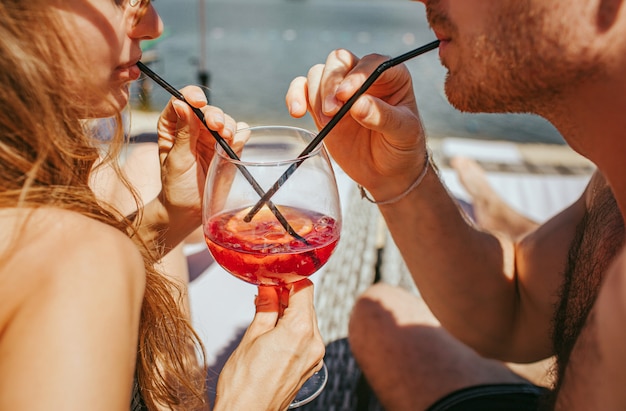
85, 320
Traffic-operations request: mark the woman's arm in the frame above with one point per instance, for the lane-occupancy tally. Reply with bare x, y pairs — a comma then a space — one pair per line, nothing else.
276, 355
71, 297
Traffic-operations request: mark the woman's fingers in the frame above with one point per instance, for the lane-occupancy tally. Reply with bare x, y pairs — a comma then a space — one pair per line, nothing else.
268, 308
290, 308
214, 117
301, 295
194, 96
300, 319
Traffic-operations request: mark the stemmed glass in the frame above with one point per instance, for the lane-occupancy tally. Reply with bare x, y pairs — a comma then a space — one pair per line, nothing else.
293, 235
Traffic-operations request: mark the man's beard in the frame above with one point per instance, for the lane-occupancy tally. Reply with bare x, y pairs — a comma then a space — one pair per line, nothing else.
518, 67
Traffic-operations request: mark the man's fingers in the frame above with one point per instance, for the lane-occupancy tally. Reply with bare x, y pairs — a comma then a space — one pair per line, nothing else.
297, 97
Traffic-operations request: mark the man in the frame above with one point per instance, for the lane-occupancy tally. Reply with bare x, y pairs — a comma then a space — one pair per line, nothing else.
561, 289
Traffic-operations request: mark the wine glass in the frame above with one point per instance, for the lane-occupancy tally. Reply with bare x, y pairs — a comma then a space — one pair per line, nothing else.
292, 235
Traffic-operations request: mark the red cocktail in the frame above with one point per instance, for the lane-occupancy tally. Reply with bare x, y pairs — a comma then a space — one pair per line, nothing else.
294, 234
261, 252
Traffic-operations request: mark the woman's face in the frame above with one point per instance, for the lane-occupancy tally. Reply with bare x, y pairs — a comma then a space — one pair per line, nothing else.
108, 33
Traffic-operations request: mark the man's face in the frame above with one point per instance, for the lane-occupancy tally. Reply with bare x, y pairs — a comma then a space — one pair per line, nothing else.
512, 55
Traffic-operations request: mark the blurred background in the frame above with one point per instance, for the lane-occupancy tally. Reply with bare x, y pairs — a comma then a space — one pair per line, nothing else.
247, 52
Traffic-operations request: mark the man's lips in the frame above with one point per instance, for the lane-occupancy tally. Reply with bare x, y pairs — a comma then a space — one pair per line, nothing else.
444, 40
441, 36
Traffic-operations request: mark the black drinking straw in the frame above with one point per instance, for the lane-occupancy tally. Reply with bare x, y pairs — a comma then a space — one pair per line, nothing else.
220, 140
336, 118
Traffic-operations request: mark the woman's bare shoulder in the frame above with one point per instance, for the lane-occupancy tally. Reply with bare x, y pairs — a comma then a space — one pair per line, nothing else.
60, 235
71, 291
53, 249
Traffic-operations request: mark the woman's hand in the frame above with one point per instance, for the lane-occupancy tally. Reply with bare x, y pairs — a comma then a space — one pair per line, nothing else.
276, 355
380, 142
186, 148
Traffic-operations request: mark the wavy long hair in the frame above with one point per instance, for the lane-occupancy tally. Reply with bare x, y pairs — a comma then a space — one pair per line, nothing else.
46, 158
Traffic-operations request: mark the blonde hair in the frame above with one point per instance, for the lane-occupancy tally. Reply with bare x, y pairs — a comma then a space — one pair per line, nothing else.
46, 157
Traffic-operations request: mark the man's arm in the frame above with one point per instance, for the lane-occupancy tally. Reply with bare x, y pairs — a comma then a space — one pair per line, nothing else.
493, 294
496, 295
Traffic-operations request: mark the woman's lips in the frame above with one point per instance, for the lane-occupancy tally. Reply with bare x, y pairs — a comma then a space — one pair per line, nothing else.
134, 72
128, 72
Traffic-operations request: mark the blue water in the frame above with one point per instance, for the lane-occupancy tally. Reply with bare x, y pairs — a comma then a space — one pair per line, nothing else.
254, 48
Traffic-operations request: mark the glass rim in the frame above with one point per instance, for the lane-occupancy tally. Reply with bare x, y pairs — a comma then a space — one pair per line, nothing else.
220, 151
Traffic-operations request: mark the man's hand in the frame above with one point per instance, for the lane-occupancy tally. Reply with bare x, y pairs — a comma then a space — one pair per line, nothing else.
381, 143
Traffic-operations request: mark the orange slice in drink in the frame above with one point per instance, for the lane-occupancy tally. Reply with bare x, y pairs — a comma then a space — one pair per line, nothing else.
265, 227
